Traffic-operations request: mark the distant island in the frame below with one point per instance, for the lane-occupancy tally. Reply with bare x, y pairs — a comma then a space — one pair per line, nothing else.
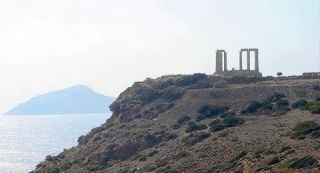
74, 100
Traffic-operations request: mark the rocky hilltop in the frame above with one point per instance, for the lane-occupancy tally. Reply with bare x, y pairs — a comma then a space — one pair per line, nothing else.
199, 123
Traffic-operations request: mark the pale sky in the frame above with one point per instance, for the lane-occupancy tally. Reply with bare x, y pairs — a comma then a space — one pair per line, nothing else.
108, 44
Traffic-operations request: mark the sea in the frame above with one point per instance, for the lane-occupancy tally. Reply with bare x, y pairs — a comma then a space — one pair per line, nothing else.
26, 140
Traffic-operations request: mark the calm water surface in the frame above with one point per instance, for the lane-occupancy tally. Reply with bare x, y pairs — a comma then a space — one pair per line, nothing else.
26, 140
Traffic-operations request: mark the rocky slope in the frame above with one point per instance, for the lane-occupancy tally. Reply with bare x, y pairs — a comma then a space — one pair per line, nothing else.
200, 123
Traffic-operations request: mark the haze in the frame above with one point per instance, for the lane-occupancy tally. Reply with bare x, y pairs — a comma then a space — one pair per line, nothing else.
107, 45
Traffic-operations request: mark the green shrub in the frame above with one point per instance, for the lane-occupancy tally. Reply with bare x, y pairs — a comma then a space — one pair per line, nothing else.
314, 107
316, 87
182, 154
214, 122
301, 103
300, 94
298, 163
216, 127
273, 98
149, 95
190, 79
224, 133
183, 119
231, 121
274, 160
212, 110
196, 137
153, 153
176, 126
282, 103
195, 127
315, 134
171, 171
221, 84
162, 84
266, 106
304, 128
241, 155
173, 93
285, 148
252, 108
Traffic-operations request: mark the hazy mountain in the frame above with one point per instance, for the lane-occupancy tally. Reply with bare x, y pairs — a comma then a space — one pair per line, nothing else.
75, 100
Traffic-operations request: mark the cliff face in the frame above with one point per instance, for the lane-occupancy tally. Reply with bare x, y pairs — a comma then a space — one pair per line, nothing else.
199, 123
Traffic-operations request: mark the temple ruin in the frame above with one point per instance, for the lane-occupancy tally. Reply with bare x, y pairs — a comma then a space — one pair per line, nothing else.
222, 66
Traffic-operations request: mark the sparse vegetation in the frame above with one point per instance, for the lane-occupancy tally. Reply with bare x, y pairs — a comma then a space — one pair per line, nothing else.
314, 107
208, 111
149, 95
301, 104
173, 93
274, 104
217, 127
231, 121
298, 163
253, 107
285, 148
316, 87
190, 79
162, 84
195, 127
304, 128
227, 121
274, 160
221, 84
196, 137
182, 154
300, 94
183, 119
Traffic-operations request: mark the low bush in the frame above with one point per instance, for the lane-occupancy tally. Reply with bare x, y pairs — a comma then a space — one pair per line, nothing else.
216, 127
273, 98
231, 121
162, 84
195, 127
182, 154
298, 163
190, 79
285, 148
252, 108
173, 93
221, 84
176, 126
274, 160
316, 87
301, 104
304, 128
212, 110
183, 119
149, 95
215, 122
314, 107
274, 104
196, 137
153, 153
315, 134
202, 84
300, 94
282, 103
